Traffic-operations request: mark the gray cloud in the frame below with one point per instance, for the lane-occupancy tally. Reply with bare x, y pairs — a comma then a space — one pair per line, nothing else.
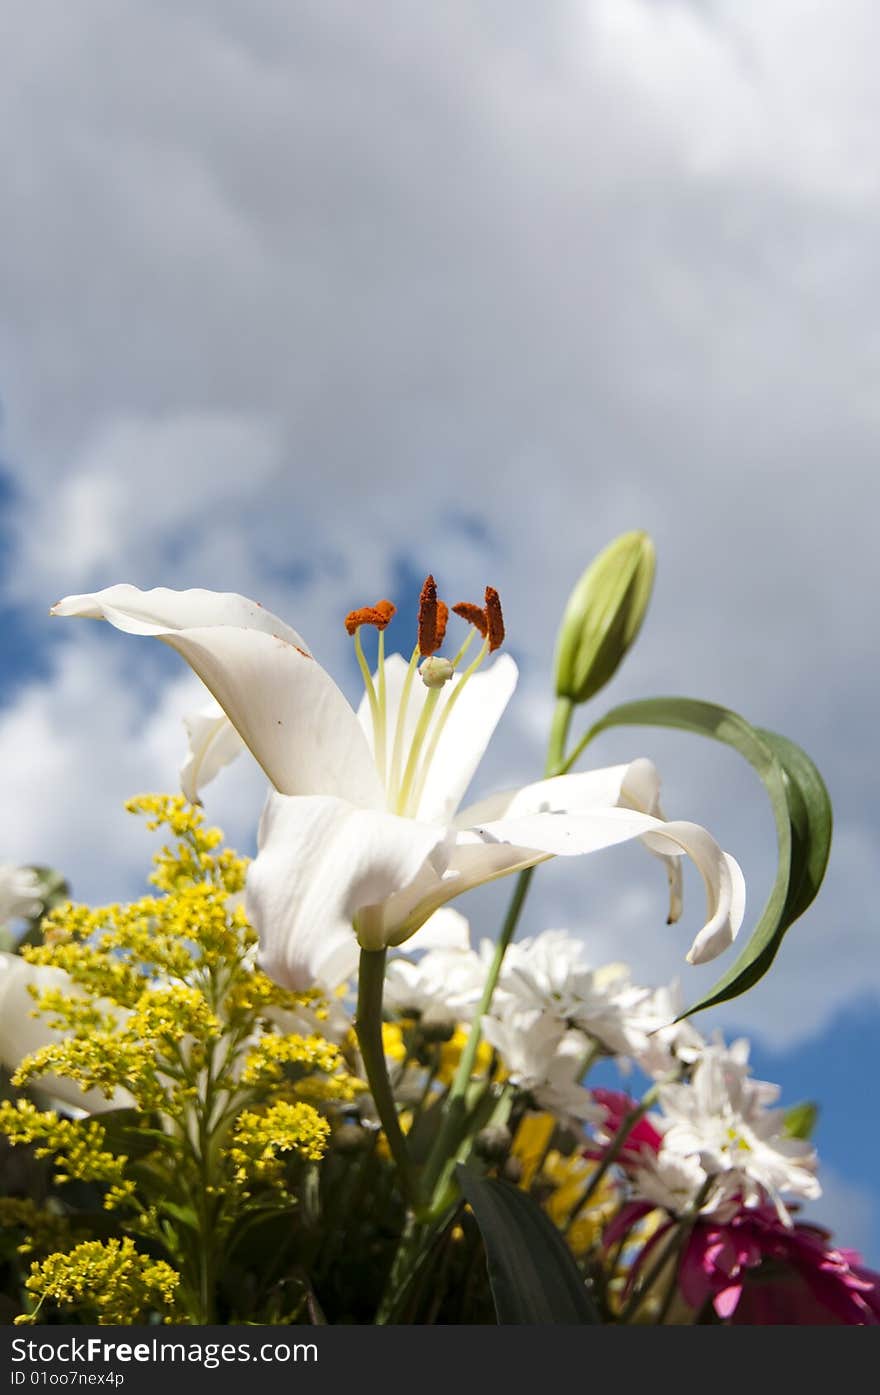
290, 290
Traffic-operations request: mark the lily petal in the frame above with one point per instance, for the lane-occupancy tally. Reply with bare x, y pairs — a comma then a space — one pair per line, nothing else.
160, 610
466, 731
497, 848
213, 744
286, 709
322, 864
466, 734
566, 834
635, 785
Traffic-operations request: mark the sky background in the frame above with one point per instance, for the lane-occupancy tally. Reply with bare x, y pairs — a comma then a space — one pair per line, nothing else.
303, 300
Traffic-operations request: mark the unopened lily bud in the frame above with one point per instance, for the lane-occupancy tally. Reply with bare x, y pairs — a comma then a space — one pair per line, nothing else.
603, 616
435, 671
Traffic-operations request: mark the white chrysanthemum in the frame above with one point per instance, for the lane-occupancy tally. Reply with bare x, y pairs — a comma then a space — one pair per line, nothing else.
19, 892
443, 986
669, 1180
723, 1119
666, 1044
550, 974
545, 1060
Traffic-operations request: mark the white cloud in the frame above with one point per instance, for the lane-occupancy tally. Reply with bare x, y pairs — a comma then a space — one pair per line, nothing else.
290, 289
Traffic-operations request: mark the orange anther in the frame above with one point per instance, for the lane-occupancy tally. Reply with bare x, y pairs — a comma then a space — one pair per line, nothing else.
474, 615
494, 619
442, 621
378, 615
430, 629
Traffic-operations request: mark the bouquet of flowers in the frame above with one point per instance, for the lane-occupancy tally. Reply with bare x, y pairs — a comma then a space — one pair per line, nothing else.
296, 1091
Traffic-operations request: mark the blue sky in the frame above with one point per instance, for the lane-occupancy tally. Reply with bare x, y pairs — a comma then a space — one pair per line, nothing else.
306, 301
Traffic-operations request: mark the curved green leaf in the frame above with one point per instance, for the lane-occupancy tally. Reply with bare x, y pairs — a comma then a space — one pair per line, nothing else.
801, 810
532, 1274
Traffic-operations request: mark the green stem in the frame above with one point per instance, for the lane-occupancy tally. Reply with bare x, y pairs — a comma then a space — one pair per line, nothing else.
562, 715
368, 1025
455, 1101
437, 1160
578, 749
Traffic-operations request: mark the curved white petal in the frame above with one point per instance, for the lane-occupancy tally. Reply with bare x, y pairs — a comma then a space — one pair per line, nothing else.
588, 789
497, 848
213, 744
321, 863
21, 1032
472, 862
641, 790
564, 835
466, 726
160, 610
286, 709
635, 785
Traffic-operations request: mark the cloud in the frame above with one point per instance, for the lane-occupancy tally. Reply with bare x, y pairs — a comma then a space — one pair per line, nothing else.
292, 293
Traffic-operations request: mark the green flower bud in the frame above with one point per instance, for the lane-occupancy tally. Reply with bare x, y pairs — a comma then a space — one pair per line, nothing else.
603, 616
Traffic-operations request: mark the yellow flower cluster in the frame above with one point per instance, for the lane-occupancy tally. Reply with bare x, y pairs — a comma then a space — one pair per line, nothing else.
266, 1063
78, 1146
260, 1140
164, 1011
112, 1279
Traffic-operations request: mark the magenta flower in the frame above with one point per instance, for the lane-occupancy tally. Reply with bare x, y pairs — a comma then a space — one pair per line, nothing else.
643, 1135
757, 1271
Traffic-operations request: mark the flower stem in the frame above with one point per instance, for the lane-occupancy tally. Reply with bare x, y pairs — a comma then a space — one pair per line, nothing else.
562, 715
455, 1102
368, 1025
436, 1164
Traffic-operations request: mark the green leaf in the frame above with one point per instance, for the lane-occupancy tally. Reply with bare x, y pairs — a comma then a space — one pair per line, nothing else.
801, 810
800, 1119
533, 1277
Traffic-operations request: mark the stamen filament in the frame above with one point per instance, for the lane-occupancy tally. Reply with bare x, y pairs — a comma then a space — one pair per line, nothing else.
444, 715
368, 686
468, 641
381, 723
397, 753
424, 722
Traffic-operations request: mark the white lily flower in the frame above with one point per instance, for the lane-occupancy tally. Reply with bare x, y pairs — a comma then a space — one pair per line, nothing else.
19, 892
213, 744
360, 836
721, 1118
23, 1031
